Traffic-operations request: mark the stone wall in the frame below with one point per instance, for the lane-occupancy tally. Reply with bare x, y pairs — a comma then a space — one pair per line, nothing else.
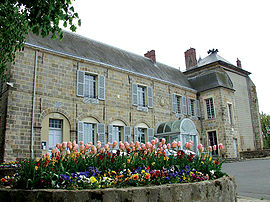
56, 93
223, 189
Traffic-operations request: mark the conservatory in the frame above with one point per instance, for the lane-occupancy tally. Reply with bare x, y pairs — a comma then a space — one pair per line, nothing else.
183, 130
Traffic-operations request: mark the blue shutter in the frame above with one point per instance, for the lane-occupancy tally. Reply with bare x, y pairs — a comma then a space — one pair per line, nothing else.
80, 132
101, 133
150, 134
189, 106
134, 94
101, 87
174, 103
80, 83
135, 134
184, 105
127, 134
110, 133
149, 97
198, 108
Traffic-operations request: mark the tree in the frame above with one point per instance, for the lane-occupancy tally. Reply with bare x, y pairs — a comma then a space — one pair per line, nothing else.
265, 124
19, 17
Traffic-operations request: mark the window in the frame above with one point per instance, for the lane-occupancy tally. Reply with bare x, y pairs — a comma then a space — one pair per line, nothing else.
88, 133
141, 135
119, 133
212, 137
55, 132
192, 107
90, 86
210, 108
142, 97
177, 104
230, 114
91, 132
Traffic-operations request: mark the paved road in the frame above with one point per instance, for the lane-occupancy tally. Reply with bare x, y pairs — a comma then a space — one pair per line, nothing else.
252, 177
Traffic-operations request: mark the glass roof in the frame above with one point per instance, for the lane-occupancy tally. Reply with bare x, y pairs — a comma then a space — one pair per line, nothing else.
178, 126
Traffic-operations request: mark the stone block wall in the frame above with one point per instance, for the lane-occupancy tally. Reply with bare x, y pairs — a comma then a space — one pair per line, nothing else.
56, 92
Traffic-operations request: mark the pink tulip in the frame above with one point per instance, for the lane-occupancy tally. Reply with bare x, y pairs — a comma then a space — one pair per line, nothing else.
82, 147
131, 144
153, 142
90, 143
148, 145
126, 145
143, 146
81, 142
58, 145
168, 146
220, 146
164, 146
68, 152
106, 147
179, 144
98, 142
187, 145
73, 143
210, 149
95, 151
64, 145
190, 143
114, 144
109, 144
69, 145
154, 147
122, 147
133, 148
102, 150
156, 140
137, 144
215, 147
76, 147
174, 144
98, 146
160, 144
93, 148
120, 143
163, 140
87, 147
200, 147
54, 150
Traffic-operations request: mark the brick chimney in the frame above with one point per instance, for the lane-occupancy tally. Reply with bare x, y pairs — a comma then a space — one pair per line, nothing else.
151, 54
190, 57
238, 63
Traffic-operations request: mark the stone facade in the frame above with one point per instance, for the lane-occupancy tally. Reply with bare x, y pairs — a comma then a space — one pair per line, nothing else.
48, 79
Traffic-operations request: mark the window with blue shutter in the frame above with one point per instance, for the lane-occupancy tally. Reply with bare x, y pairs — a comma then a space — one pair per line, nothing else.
134, 94
174, 103
110, 134
198, 108
136, 134
80, 132
101, 87
127, 134
150, 134
101, 133
184, 105
189, 106
149, 97
80, 83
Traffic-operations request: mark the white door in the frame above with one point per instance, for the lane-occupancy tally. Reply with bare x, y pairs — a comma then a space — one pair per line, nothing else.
55, 133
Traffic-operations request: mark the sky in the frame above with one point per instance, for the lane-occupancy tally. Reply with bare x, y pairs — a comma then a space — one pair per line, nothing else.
237, 28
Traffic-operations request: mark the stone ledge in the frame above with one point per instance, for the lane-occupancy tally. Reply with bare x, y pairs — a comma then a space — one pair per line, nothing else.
223, 189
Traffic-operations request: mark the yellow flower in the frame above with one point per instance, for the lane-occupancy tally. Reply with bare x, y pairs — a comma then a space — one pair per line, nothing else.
143, 171
202, 162
210, 158
36, 167
128, 160
113, 172
93, 179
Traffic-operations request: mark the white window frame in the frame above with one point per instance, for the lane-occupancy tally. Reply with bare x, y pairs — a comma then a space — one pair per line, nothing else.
210, 114
52, 131
230, 113
141, 93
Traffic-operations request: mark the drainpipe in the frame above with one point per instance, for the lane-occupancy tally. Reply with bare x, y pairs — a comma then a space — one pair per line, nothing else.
33, 106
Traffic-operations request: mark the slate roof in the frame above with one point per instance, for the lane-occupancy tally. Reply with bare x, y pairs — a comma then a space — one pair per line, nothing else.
86, 48
210, 80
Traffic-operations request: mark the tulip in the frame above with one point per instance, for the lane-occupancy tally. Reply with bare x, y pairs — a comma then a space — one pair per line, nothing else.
87, 147
122, 147
148, 145
69, 145
114, 144
106, 147
54, 150
48, 154
98, 142
210, 149
82, 147
168, 146
73, 143
58, 145
174, 144
215, 147
190, 143
131, 144
98, 146
163, 140
187, 145
179, 144
200, 147
137, 144
93, 148
64, 145
90, 143
220, 146
81, 142
68, 152
109, 144
164, 146
133, 148
102, 150
143, 146
95, 151
156, 140
76, 147
160, 144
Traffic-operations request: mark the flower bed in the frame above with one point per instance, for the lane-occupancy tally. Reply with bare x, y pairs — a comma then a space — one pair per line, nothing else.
133, 165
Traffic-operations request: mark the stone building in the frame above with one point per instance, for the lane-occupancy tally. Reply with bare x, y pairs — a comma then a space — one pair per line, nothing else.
81, 89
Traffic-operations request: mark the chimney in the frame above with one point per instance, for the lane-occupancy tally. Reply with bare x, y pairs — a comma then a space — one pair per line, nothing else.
151, 54
238, 63
190, 57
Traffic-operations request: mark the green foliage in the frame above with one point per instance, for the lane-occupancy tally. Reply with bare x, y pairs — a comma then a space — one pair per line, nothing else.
265, 124
19, 17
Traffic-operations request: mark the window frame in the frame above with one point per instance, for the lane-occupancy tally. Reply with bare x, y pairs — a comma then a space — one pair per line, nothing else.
210, 114
230, 113
143, 95
53, 128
